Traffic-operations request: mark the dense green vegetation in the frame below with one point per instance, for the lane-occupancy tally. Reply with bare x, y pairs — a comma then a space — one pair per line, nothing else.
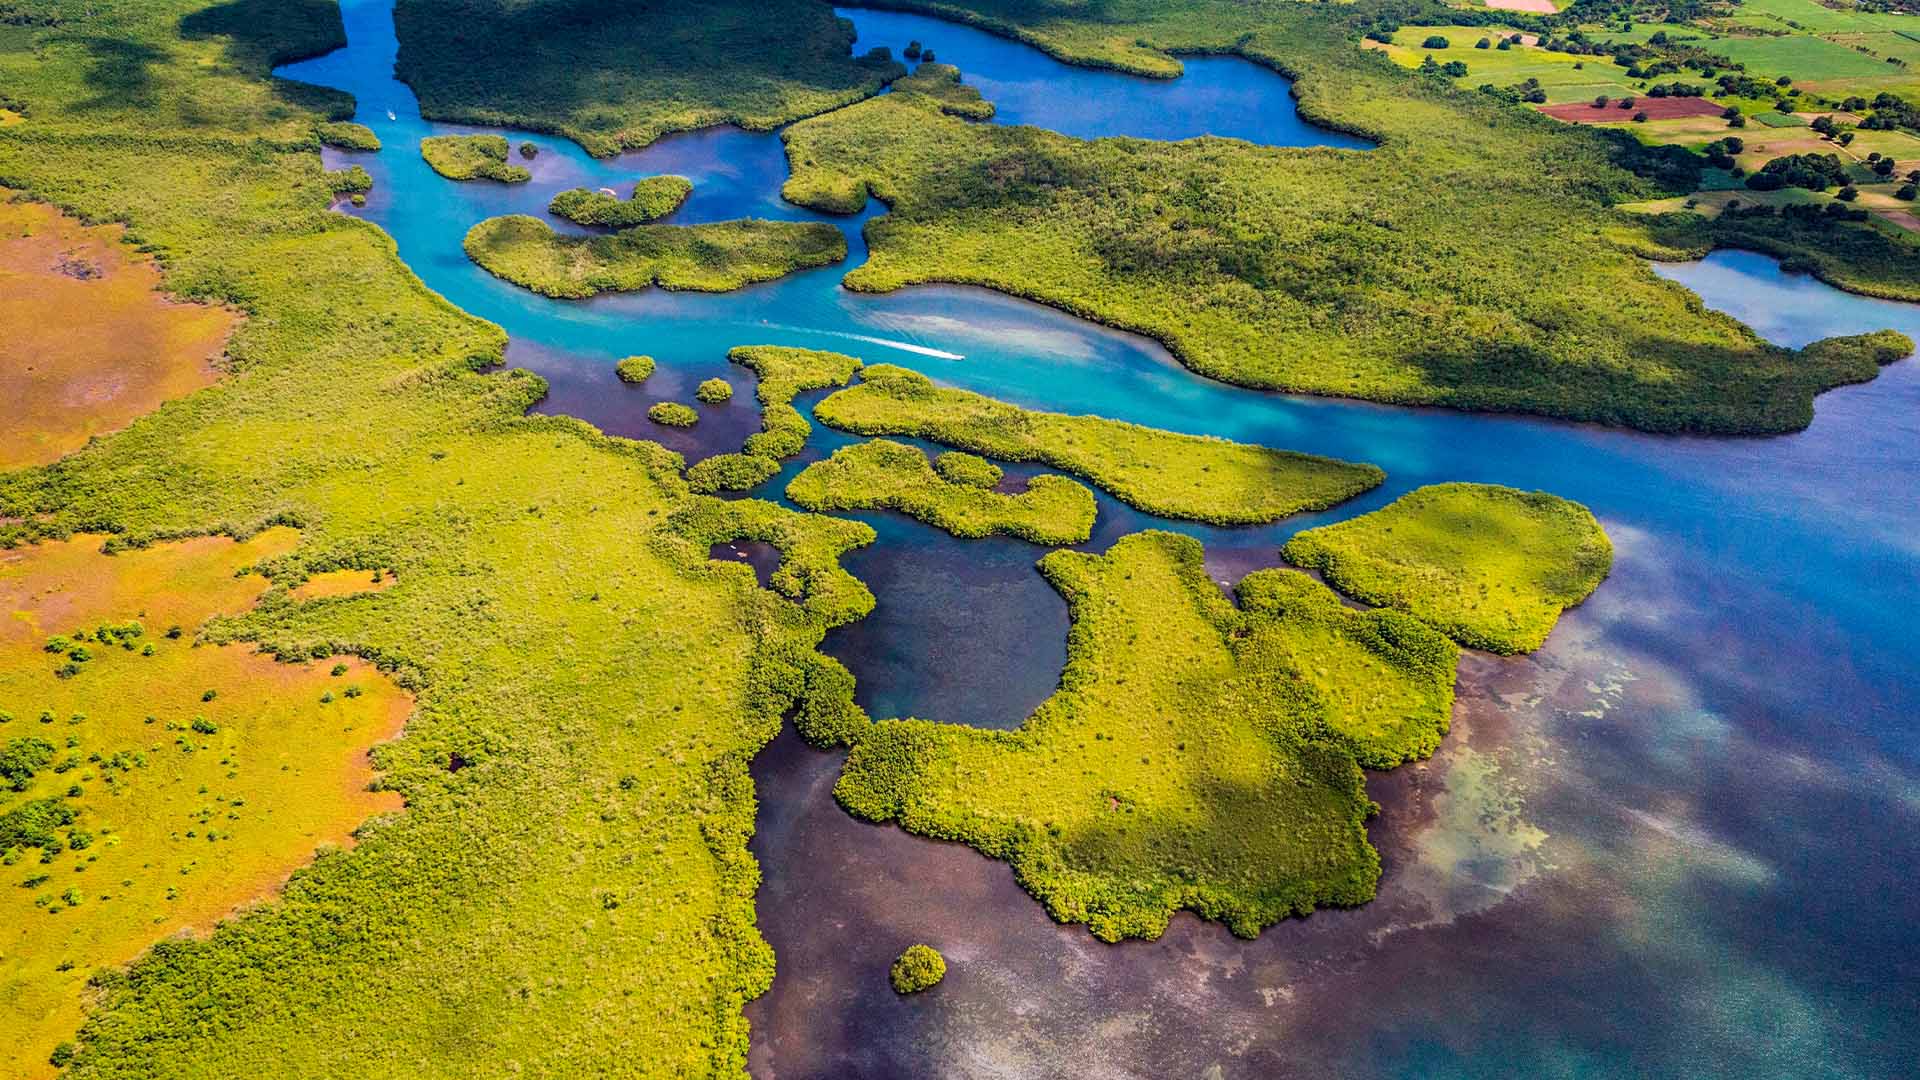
1489, 566
941, 83
673, 414
960, 467
713, 257
1197, 755
1806, 240
472, 157
634, 369
713, 391
1184, 476
783, 372
618, 77
1463, 262
347, 135
920, 967
652, 198
590, 687
882, 475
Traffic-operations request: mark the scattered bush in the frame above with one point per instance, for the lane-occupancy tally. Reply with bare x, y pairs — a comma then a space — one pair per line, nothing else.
673, 414
919, 968
634, 369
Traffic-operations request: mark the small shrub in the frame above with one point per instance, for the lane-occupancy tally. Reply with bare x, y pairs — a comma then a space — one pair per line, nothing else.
529, 151
1435, 41
714, 391
205, 726
634, 369
917, 969
673, 414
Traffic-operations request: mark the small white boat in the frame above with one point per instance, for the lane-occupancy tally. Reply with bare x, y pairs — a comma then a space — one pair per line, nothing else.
390, 115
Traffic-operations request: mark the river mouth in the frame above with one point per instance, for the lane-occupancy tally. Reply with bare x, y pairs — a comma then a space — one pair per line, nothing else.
1668, 843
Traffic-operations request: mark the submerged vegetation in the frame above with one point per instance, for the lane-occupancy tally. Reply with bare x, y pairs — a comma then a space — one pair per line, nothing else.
1463, 262
652, 198
1197, 755
1489, 566
472, 157
1197, 477
617, 78
882, 475
714, 257
784, 372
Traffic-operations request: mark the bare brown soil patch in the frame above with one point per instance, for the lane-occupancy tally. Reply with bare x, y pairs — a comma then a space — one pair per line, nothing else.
1583, 112
90, 345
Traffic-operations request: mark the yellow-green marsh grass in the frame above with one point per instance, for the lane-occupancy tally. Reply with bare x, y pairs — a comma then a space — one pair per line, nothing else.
89, 345
1490, 566
200, 776
883, 475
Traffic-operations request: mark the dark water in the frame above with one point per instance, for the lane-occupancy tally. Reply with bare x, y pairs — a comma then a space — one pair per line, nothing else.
1674, 842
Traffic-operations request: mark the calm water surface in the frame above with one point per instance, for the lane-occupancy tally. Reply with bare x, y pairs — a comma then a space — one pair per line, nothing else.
1676, 841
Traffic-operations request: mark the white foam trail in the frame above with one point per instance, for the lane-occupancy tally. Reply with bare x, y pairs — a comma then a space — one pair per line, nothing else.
904, 346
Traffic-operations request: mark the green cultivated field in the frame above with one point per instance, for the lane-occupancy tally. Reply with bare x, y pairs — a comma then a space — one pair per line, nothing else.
712, 257
882, 475
1196, 477
1196, 755
1489, 566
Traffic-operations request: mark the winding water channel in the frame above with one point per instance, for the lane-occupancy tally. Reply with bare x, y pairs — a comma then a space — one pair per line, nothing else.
1675, 841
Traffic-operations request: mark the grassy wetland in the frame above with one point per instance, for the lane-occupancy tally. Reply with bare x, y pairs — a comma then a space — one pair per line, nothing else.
883, 475
1393, 274
714, 257
784, 373
191, 779
588, 686
1183, 476
1491, 567
1190, 758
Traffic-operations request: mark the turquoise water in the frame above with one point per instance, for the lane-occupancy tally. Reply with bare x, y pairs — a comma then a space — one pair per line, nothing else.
1692, 813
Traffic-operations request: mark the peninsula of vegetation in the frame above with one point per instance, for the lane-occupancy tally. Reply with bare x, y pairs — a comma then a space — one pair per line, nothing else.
712, 257
1319, 270
1489, 566
883, 475
651, 199
1197, 755
784, 372
1195, 477
472, 157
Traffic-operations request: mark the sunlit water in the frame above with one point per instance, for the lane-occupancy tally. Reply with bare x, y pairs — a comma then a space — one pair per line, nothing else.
1674, 842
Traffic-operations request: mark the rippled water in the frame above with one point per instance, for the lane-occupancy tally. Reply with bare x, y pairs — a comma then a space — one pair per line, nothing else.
1674, 842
